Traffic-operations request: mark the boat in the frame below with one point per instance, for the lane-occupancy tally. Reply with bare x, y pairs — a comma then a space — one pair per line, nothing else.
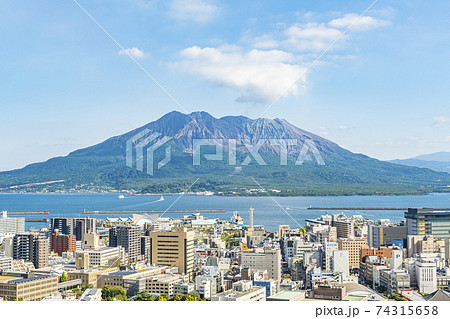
161, 198
121, 196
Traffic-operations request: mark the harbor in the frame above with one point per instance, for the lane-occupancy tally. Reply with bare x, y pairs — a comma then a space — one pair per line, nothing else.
204, 211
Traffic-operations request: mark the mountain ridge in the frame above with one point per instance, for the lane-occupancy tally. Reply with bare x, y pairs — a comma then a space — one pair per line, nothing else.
102, 166
439, 161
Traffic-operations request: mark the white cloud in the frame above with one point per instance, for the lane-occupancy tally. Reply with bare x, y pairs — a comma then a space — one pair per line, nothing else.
363, 24
342, 127
263, 67
200, 11
313, 36
260, 76
310, 37
134, 52
439, 121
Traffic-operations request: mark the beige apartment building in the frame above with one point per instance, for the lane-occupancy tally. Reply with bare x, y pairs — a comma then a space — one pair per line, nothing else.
89, 276
118, 278
174, 248
27, 289
353, 246
163, 284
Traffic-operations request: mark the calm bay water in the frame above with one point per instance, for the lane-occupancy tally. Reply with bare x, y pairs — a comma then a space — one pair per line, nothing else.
267, 212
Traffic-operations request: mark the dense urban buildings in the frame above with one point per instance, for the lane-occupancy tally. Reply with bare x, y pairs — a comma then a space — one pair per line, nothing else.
333, 257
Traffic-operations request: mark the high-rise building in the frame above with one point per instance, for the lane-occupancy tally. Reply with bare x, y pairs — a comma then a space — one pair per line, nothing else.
83, 226
428, 221
127, 237
344, 228
11, 225
74, 226
63, 225
146, 248
62, 243
379, 236
269, 259
341, 261
327, 255
250, 217
354, 248
31, 247
174, 248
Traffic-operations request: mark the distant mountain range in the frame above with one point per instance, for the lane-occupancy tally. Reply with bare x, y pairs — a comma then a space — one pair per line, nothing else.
439, 162
103, 166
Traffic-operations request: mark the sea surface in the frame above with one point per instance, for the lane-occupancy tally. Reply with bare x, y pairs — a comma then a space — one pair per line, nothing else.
269, 212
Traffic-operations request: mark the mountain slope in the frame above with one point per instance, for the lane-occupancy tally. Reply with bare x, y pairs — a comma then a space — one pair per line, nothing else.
344, 173
439, 162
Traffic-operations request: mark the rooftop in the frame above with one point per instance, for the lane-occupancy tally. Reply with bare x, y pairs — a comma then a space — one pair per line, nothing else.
232, 293
122, 273
8, 278
22, 280
287, 295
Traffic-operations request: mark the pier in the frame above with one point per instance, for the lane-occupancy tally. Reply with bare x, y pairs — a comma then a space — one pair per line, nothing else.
357, 208
28, 213
37, 220
156, 211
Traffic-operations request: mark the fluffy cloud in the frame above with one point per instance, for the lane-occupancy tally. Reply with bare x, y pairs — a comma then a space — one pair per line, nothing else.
263, 67
261, 76
134, 52
439, 121
313, 37
363, 24
193, 10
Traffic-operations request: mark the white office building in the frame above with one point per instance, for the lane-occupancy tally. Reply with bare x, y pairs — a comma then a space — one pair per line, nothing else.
104, 256
341, 261
426, 277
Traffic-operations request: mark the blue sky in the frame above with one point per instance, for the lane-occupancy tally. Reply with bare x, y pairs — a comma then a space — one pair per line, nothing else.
382, 90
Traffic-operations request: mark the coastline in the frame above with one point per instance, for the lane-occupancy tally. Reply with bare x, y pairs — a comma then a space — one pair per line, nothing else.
225, 195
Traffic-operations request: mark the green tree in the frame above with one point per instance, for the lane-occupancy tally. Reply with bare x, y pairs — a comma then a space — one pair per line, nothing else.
110, 293
177, 297
399, 298
146, 296
192, 297
63, 277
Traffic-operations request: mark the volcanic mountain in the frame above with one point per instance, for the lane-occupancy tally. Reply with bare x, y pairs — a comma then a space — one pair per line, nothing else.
248, 157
